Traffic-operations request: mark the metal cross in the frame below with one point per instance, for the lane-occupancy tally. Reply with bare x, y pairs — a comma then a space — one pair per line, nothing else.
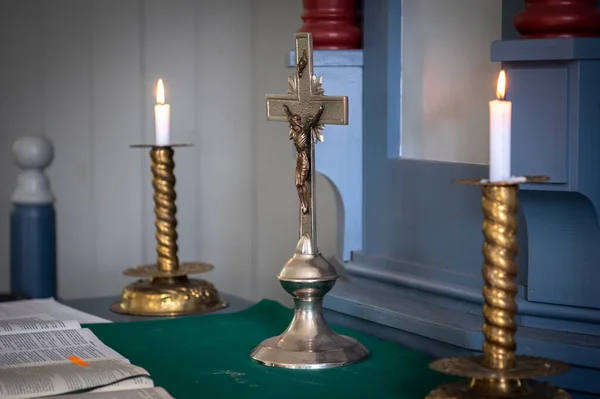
307, 110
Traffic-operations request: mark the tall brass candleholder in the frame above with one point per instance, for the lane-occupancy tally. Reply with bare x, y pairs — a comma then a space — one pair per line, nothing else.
167, 291
499, 372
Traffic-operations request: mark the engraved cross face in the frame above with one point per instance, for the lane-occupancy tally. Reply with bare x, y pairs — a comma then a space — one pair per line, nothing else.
305, 94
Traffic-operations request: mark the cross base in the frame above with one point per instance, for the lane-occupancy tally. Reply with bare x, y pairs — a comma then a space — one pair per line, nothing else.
308, 342
339, 351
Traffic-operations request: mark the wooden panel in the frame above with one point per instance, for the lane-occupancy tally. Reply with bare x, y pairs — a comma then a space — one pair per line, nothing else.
339, 158
225, 144
510, 8
275, 217
539, 121
116, 124
21, 94
68, 121
584, 140
563, 250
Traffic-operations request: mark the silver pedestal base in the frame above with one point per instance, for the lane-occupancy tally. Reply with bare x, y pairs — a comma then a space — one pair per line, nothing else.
340, 351
308, 342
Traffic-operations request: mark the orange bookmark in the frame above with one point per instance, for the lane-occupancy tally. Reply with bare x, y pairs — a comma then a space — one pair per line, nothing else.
78, 361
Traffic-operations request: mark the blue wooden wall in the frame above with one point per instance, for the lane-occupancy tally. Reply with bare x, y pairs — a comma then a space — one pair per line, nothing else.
417, 279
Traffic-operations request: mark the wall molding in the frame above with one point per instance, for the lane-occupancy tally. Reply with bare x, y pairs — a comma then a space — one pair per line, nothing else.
396, 273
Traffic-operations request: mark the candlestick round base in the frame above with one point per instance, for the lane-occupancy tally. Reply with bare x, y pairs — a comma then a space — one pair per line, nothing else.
169, 296
525, 367
475, 389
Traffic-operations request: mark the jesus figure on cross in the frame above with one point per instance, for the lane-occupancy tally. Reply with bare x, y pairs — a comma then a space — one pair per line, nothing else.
301, 135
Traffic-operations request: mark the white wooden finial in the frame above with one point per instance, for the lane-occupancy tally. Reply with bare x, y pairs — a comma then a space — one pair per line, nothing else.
33, 155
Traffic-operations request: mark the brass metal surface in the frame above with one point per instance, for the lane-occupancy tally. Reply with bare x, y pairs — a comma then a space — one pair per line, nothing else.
308, 342
475, 367
163, 182
183, 270
500, 204
499, 372
301, 133
168, 291
512, 389
172, 296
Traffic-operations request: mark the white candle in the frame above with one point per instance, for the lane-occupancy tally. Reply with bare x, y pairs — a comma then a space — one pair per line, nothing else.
500, 124
162, 114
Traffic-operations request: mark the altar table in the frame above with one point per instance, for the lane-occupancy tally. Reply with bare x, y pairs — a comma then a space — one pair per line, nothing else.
207, 357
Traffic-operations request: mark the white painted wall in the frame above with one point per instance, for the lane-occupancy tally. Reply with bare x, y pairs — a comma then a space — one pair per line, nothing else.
448, 79
83, 72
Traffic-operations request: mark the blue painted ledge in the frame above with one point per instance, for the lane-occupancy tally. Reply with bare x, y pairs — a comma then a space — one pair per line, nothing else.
323, 58
545, 49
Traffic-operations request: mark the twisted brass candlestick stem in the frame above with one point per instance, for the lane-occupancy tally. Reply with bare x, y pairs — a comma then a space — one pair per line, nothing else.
163, 181
500, 205
499, 372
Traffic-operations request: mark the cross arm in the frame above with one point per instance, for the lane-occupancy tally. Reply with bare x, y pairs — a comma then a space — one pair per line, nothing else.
335, 109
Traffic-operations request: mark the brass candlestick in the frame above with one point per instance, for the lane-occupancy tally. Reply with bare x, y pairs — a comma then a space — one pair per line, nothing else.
167, 291
499, 372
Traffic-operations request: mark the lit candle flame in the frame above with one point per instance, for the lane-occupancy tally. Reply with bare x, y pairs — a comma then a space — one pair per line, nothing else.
501, 88
160, 92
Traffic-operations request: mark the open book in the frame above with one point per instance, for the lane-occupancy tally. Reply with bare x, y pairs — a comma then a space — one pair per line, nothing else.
149, 393
41, 356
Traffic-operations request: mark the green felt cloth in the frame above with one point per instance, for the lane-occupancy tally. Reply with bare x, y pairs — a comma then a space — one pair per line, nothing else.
207, 357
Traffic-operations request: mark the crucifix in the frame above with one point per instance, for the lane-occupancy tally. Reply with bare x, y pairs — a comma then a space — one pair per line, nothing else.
308, 342
306, 110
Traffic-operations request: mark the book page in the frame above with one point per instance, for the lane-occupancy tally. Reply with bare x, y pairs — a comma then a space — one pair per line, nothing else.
151, 393
52, 346
36, 381
41, 322
50, 307
134, 383
36, 317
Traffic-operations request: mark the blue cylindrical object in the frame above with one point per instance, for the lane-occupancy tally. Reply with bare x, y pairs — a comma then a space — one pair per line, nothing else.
33, 250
